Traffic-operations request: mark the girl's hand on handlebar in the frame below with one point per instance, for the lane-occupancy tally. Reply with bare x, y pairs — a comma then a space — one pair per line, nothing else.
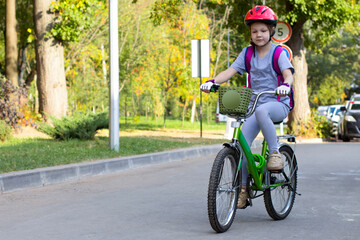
209, 86
283, 90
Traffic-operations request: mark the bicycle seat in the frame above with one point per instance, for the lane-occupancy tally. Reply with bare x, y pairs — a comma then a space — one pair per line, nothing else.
277, 122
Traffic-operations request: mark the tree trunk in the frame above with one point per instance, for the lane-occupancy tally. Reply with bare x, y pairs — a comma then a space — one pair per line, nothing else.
301, 111
50, 63
184, 111
22, 66
165, 104
30, 78
11, 51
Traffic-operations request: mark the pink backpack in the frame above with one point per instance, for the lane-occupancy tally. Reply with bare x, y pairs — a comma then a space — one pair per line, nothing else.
275, 64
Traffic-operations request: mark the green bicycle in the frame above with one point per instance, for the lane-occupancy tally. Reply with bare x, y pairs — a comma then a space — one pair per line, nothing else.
277, 187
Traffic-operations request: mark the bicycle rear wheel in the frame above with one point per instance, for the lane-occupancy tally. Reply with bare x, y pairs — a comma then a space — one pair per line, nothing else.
223, 190
279, 200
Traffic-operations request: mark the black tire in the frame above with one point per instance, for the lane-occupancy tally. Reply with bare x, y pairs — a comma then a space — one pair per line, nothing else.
222, 195
339, 136
280, 200
346, 139
339, 132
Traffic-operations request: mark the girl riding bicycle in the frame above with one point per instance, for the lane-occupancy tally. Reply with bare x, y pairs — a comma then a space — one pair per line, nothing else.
262, 23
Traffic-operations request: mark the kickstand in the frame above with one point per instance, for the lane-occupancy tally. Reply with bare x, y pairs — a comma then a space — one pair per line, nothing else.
299, 194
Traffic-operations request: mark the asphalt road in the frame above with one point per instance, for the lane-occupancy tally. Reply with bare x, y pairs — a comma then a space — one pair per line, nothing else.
168, 201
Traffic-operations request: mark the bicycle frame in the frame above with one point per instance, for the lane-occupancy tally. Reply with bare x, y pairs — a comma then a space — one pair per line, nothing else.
241, 146
251, 166
260, 176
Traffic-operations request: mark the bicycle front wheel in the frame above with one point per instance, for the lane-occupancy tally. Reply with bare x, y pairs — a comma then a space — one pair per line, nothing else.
280, 198
223, 190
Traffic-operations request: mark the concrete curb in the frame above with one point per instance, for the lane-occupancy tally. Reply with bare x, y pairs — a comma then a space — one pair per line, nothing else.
45, 176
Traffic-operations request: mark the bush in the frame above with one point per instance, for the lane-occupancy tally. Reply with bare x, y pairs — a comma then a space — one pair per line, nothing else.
9, 102
324, 126
78, 126
316, 126
5, 131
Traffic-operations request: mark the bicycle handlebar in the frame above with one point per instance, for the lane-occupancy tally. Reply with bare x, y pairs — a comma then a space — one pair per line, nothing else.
258, 95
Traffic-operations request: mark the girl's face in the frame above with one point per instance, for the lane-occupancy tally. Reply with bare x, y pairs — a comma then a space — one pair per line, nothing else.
260, 33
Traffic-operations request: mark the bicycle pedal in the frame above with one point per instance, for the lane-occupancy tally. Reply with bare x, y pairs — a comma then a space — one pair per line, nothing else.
248, 203
273, 180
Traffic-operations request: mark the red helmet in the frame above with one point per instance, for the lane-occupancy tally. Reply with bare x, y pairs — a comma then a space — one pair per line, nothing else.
261, 14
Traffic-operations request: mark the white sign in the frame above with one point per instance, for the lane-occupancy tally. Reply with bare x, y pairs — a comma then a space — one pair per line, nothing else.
200, 57
282, 33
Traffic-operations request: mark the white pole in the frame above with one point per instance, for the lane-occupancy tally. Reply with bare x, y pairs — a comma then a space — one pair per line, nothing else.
114, 76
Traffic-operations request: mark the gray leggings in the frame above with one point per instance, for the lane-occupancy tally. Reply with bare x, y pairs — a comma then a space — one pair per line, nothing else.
263, 119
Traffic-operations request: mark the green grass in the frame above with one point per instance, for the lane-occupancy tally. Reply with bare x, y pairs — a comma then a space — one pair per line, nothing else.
31, 153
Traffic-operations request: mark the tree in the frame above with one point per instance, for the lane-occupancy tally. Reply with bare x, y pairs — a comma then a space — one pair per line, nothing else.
23, 37
335, 69
79, 23
189, 21
314, 23
50, 62
11, 43
26, 51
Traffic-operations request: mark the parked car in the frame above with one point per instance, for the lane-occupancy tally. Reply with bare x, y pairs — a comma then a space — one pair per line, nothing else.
322, 110
333, 116
355, 97
349, 124
332, 111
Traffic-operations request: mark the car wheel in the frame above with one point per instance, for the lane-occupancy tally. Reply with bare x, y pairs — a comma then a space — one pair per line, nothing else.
339, 136
339, 133
346, 139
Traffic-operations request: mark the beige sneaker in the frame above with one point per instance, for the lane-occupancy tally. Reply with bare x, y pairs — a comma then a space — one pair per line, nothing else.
243, 195
275, 161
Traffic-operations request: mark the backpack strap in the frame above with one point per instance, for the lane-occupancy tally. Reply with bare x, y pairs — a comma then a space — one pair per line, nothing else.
275, 65
248, 55
275, 62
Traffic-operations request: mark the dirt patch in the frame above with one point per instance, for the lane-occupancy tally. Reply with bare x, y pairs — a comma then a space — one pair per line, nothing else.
29, 132
173, 133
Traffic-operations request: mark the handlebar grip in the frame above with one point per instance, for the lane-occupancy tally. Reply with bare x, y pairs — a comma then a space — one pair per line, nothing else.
214, 88
276, 94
